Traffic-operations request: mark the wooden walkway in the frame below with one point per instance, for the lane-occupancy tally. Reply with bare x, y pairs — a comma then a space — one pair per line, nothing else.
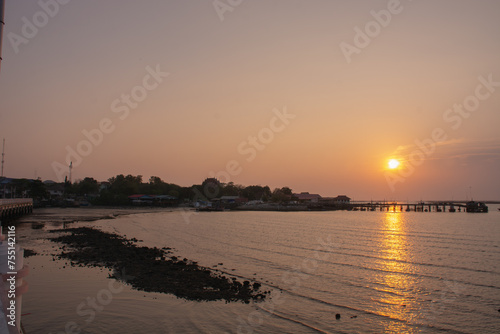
416, 207
15, 207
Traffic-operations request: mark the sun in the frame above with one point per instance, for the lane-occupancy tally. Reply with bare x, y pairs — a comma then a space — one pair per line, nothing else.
393, 164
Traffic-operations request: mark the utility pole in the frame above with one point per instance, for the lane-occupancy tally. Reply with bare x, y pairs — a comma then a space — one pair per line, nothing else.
2, 11
3, 155
70, 168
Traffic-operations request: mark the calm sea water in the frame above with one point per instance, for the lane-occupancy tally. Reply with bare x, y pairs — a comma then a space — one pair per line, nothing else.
407, 272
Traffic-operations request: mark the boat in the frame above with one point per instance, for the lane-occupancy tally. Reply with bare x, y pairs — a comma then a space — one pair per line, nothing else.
210, 206
473, 206
452, 209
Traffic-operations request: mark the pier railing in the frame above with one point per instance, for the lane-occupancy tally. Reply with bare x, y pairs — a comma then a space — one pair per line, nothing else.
9, 201
15, 207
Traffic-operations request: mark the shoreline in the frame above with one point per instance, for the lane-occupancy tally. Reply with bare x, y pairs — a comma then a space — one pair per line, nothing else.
83, 214
130, 262
57, 215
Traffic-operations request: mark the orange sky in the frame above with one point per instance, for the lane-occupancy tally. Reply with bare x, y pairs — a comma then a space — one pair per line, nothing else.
103, 65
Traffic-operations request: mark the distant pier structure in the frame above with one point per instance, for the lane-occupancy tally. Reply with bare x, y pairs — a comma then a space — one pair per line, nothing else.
470, 206
15, 207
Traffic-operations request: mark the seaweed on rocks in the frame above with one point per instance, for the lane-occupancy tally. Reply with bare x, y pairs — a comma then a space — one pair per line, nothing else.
151, 269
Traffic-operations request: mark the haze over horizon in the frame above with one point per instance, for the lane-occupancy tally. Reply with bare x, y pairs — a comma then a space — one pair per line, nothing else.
314, 95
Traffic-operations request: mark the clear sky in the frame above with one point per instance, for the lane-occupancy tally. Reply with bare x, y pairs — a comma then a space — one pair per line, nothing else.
316, 95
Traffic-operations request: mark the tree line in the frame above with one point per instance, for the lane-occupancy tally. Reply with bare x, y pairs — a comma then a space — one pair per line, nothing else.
118, 188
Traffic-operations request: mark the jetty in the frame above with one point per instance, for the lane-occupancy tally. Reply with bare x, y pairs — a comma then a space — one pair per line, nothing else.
434, 206
15, 207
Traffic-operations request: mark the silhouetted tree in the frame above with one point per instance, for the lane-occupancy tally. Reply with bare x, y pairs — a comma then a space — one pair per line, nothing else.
281, 195
37, 190
87, 186
256, 193
286, 191
231, 190
19, 187
125, 185
210, 188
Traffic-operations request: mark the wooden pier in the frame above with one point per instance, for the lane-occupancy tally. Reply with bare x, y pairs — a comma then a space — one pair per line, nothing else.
421, 207
15, 207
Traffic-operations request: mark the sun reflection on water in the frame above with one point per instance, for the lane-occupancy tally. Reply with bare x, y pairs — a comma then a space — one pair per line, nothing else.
395, 280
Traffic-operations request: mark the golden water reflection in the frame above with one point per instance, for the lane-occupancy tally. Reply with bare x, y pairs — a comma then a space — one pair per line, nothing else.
395, 281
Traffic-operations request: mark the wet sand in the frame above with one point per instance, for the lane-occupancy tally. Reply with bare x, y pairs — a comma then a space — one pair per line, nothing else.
92, 213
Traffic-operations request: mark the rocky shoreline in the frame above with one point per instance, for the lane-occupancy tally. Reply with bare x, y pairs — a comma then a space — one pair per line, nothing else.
152, 269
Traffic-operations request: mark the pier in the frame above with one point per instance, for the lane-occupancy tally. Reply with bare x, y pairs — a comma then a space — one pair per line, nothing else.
15, 207
420, 206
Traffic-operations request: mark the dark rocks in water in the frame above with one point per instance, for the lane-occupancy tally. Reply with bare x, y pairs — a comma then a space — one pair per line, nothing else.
149, 269
29, 252
337, 316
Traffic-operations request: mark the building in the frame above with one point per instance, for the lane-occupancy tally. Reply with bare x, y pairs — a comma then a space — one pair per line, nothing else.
305, 197
233, 200
152, 200
342, 199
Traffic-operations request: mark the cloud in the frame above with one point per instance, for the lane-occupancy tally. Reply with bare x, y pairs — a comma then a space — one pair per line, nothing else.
466, 150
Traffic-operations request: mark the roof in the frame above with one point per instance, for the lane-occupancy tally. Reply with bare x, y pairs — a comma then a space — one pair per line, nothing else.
165, 197
149, 197
6, 180
306, 196
342, 198
136, 196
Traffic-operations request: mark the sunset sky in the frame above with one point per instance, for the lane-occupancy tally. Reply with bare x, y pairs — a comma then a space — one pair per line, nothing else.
315, 95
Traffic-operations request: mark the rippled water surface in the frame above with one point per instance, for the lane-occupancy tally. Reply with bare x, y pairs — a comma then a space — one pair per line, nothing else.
383, 272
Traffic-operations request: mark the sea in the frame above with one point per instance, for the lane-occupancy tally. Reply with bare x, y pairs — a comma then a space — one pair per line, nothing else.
328, 272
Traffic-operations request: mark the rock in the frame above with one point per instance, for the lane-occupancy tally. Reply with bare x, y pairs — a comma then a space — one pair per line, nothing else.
337, 316
29, 252
148, 269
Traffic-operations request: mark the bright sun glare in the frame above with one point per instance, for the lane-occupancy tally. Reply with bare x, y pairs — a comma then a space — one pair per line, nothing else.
393, 163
